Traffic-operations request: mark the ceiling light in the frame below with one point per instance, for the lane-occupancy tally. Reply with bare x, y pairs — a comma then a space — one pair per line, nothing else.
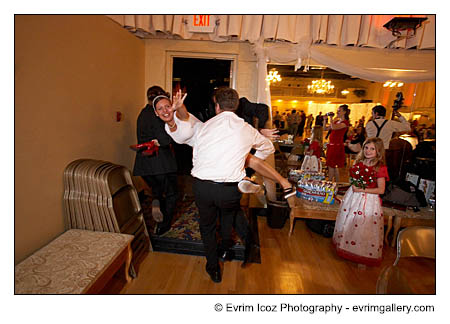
345, 92
393, 84
321, 86
273, 76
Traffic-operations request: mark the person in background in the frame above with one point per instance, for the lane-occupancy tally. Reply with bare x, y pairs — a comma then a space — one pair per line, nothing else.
293, 120
302, 123
380, 127
250, 111
277, 119
358, 233
309, 122
319, 120
355, 140
159, 171
335, 148
315, 146
361, 122
314, 149
283, 122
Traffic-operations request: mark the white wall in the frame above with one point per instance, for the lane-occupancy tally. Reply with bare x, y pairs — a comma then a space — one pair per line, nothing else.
155, 61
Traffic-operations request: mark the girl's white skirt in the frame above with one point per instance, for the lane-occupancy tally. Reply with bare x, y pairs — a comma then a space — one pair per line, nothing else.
358, 233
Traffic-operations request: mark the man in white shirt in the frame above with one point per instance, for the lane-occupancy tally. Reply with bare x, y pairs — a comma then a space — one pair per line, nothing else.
220, 149
382, 128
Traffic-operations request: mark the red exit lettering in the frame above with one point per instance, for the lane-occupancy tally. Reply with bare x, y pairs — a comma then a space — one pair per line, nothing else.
201, 20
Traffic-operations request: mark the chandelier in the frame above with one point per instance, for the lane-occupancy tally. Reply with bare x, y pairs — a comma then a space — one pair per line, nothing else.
273, 76
321, 86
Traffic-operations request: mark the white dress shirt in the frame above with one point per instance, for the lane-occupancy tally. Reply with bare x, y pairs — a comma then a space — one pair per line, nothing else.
390, 127
220, 145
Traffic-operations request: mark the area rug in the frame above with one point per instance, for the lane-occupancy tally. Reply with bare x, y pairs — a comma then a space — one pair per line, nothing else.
184, 235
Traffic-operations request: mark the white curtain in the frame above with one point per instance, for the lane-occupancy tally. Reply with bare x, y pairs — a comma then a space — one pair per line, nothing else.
341, 30
371, 64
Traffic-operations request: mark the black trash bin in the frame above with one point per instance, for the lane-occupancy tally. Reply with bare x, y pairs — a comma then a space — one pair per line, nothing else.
277, 213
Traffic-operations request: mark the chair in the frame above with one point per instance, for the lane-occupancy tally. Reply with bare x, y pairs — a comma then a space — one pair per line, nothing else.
297, 150
415, 241
281, 162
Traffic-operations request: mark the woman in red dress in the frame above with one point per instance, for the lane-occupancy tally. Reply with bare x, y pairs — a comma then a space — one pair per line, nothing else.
336, 148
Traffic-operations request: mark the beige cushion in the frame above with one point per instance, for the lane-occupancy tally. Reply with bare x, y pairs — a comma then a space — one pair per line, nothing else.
70, 263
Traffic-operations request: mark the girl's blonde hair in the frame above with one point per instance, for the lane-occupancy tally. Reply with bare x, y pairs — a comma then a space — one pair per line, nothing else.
379, 147
317, 134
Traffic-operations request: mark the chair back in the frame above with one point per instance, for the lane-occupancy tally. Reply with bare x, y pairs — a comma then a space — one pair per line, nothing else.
416, 241
297, 149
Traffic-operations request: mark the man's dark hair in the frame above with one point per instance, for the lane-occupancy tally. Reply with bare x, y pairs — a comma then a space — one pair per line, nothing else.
227, 98
155, 91
379, 110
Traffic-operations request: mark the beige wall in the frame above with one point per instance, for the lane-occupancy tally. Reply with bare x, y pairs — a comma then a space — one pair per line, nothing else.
72, 73
155, 61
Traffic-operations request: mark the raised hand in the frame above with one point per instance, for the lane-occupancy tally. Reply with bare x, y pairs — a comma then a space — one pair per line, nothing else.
177, 100
271, 134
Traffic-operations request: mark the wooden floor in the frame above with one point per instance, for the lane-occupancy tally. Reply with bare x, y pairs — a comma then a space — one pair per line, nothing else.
305, 263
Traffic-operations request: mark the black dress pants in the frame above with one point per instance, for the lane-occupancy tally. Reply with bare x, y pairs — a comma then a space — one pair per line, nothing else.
218, 200
164, 188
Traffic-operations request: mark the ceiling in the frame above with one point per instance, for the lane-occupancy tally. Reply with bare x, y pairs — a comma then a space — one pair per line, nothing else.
288, 71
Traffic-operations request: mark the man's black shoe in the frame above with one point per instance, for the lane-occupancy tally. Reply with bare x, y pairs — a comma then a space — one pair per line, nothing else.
225, 255
161, 230
215, 275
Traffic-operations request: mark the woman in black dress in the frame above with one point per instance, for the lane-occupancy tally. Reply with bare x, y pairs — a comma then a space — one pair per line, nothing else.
159, 170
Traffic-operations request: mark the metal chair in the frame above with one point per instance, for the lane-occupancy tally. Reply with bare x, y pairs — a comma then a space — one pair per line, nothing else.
415, 241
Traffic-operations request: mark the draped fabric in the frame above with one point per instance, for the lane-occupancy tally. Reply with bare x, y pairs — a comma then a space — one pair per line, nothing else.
341, 30
371, 64
356, 45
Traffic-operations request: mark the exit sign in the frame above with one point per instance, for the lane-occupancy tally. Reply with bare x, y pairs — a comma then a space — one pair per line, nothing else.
201, 23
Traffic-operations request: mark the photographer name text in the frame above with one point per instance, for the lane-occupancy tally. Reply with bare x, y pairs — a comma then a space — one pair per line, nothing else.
283, 307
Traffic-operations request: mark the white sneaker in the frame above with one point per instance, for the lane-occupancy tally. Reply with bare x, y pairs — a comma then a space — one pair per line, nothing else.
247, 186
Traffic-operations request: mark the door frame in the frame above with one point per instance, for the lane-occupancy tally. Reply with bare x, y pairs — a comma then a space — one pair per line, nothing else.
170, 55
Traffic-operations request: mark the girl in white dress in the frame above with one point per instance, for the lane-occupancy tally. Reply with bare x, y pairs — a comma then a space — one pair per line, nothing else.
358, 233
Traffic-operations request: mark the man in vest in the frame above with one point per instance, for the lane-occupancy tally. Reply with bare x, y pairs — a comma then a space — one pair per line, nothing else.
382, 128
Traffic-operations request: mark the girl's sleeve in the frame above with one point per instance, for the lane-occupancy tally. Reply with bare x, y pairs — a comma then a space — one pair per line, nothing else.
383, 173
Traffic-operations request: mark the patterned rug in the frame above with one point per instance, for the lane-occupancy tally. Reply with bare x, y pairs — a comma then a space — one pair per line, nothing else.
184, 235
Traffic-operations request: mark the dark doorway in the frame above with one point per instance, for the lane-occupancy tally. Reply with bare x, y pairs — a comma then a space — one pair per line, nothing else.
198, 77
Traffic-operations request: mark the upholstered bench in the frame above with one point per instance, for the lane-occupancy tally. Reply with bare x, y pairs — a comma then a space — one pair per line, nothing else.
76, 262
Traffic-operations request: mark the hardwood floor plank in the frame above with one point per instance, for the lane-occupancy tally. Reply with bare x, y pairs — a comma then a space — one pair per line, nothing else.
304, 263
